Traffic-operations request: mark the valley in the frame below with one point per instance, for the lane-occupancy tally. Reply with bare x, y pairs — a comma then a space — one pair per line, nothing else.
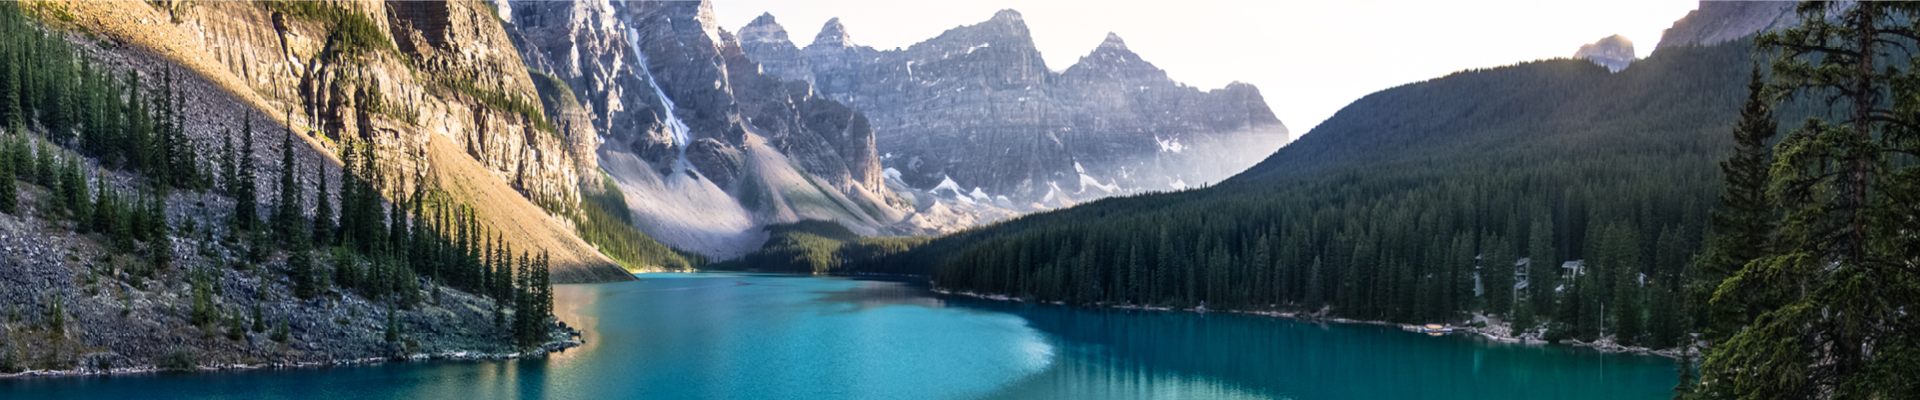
635, 199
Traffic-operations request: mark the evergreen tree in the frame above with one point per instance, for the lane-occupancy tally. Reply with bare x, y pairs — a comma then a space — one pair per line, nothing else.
229, 174
259, 324
301, 271
1744, 220
287, 219
393, 324
1496, 275
1834, 292
245, 197
322, 215
9, 194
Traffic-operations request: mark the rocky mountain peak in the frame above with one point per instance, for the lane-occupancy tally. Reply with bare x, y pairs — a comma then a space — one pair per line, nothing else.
763, 29
1720, 21
1113, 42
834, 34
1613, 52
1009, 16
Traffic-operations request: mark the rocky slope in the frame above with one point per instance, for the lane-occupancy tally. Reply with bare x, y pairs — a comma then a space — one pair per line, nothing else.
705, 146
72, 304
437, 89
976, 116
1719, 21
1613, 52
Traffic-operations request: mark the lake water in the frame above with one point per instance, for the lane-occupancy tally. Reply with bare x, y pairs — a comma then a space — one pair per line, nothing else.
738, 336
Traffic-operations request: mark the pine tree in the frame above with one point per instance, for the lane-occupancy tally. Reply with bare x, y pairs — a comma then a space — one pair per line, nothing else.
245, 198
287, 223
259, 324
322, 215
301, 271
228, 169
393, 324
1744, 220
9, 194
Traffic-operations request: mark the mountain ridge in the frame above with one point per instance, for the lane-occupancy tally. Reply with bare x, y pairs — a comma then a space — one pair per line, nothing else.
978, 106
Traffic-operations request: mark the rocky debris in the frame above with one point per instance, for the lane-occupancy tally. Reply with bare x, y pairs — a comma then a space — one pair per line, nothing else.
1613, 52
1720, 21
977, 105
114, 322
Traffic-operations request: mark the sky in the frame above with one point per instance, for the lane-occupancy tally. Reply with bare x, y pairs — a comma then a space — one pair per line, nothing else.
1309, 58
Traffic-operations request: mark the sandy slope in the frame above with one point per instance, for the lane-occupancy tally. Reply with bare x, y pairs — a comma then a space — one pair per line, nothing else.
526, 226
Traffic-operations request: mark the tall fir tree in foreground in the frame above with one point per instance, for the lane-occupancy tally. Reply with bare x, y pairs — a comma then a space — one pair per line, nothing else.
1834, 295
1745, 219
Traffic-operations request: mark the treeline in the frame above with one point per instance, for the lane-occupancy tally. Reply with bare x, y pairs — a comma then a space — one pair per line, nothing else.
820, 247
394, 251
1420, 204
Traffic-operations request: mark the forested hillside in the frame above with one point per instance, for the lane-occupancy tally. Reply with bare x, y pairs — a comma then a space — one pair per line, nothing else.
1391, 209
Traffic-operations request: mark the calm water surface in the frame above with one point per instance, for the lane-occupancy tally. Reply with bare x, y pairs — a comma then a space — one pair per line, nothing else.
734, 336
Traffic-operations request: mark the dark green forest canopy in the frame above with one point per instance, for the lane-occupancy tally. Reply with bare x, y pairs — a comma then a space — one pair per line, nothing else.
1380, 211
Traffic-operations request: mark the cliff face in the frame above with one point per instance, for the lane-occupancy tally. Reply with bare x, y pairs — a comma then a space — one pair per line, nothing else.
1720, 21
692, 127
977, 106
437, 90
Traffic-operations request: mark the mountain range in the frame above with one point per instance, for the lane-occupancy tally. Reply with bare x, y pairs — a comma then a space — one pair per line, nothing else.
976, 115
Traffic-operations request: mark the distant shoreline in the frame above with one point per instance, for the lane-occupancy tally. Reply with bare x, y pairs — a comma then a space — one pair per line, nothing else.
1602, 346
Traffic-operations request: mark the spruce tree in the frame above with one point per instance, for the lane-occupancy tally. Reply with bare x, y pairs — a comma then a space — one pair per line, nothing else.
9, 194
300, 269
1834, 292
228, 173
1744, 220
322, 215
286, 215
245, 198
259, 324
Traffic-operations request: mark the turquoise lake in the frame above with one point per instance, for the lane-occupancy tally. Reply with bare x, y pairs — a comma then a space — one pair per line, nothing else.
746, 336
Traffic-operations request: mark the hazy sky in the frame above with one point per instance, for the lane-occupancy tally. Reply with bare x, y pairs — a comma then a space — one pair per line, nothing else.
1309, 58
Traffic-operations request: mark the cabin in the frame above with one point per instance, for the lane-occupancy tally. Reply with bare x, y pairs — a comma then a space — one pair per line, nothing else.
1572, 269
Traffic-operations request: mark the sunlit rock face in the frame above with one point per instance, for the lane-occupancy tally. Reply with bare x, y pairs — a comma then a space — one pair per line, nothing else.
978, 106
1613, 52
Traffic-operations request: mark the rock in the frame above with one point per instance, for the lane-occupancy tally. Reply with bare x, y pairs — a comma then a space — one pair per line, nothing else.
978, 105
1613, 52
785, 150
1719, 21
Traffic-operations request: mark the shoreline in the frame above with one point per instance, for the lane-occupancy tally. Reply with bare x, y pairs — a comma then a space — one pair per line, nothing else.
549, 349
1601, 345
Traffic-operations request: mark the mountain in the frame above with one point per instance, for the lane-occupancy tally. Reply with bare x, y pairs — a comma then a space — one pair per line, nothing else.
705, 148
976, 116
1716, 22
1408, 204
434, 90
1613, 52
